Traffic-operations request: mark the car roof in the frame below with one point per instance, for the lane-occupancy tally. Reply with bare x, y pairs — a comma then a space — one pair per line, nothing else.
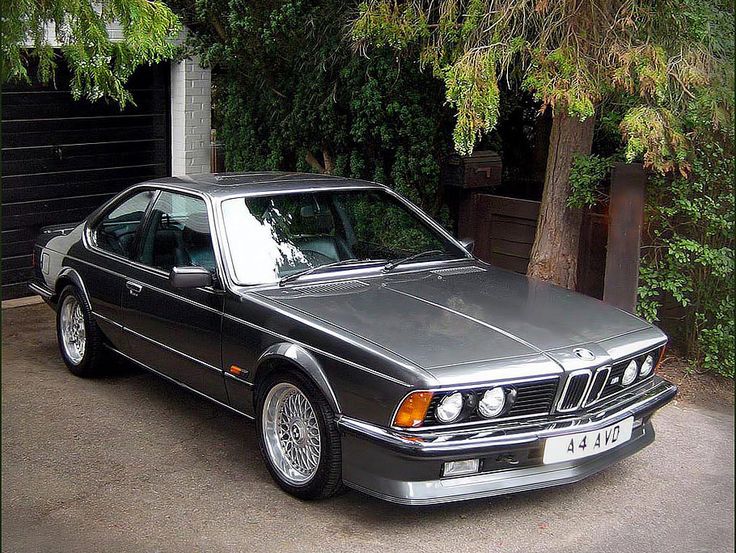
266, 182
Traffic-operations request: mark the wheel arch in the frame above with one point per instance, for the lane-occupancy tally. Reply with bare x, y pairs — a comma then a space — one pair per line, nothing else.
67, 276
292, 356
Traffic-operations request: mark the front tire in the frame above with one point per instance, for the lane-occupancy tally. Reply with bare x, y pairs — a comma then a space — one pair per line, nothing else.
79, 338
298, 436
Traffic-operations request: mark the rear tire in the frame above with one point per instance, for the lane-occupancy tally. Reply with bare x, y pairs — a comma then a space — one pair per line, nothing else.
298, 436
79, 338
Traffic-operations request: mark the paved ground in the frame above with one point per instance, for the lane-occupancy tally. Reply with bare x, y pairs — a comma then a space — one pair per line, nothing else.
131, 463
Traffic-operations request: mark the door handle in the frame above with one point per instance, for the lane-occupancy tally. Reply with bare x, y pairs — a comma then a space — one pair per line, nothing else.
134, 288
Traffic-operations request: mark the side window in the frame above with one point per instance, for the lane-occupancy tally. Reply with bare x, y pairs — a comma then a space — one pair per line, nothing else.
178, 234
116, 231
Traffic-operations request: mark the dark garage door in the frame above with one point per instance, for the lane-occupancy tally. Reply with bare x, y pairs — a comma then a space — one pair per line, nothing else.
62, 158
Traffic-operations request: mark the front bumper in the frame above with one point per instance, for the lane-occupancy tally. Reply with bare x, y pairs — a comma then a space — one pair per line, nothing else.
406, 467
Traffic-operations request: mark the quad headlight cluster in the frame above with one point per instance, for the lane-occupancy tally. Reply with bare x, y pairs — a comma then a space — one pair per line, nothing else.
639, 367
457, 406
448, 407
454, 406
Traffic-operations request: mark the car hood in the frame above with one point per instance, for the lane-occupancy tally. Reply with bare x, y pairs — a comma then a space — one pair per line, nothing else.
459, 315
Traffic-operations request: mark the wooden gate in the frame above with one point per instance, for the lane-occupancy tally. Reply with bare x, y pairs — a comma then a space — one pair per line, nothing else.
503, 229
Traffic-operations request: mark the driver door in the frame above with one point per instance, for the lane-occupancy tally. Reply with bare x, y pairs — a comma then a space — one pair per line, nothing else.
172, 330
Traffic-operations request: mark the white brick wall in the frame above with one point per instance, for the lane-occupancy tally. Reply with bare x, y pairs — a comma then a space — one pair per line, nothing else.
190, 118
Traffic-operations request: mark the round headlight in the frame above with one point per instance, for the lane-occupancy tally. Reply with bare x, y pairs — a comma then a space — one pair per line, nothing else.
492, 402
450, 408
630, 373
647, 366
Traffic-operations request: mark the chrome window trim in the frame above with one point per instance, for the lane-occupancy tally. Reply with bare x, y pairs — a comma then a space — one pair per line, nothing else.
135, 264
146, 285
489, 384
214, 234
305, 190
91, 223
567, 385
431, 222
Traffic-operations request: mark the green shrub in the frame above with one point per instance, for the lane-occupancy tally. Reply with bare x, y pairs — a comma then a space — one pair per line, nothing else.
686, 277
688, 256
291, 93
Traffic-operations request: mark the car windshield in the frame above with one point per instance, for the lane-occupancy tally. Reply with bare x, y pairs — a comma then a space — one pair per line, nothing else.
272, 237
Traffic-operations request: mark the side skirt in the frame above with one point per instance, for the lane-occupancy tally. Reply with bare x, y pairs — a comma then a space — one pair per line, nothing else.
167, 377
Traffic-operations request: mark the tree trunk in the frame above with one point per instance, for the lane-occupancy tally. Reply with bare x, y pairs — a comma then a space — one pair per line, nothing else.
329, 165
314, 163
554, 254
327, 168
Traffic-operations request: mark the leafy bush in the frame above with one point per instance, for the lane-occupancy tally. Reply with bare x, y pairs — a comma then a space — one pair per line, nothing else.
686, 277
688, 256
100, 66
586, 176
290, 93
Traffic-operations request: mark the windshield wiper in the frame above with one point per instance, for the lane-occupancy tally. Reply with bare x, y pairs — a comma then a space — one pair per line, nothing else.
305, 272
391, 266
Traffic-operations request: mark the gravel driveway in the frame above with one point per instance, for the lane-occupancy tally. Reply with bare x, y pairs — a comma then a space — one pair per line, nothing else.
131, 463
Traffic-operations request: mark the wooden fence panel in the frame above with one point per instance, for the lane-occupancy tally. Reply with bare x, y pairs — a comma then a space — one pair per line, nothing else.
504, 230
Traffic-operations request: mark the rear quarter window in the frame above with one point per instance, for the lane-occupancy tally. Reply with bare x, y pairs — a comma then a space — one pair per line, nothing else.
117, 230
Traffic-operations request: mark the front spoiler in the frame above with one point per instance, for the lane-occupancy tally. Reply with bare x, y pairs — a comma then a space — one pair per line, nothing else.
405, 467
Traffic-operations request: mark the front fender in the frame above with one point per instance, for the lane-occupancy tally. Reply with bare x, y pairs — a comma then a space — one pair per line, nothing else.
301, 359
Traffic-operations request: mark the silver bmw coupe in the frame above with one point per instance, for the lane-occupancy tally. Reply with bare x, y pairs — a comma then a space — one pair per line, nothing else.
370, 346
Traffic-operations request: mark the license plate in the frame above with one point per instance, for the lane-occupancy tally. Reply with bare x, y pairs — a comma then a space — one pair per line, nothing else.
584, 444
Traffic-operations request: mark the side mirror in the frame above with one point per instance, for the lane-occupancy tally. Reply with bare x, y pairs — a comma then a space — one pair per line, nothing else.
468, 244
190, 277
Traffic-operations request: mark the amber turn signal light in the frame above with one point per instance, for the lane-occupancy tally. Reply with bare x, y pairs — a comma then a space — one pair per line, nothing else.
412, 410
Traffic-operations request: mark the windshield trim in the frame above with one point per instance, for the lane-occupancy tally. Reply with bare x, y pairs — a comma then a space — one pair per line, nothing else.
227, 251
